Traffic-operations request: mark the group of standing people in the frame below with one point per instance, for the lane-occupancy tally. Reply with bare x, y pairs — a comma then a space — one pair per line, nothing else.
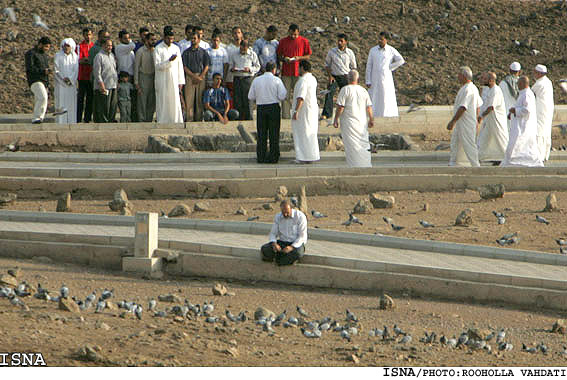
507, 124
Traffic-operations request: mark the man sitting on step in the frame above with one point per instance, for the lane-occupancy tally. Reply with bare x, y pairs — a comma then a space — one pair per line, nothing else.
287, 237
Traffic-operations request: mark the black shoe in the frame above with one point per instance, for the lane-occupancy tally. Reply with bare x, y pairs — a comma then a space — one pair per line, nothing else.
38, 121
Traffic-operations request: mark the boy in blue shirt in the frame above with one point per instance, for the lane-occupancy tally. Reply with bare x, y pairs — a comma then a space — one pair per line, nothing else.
216, 101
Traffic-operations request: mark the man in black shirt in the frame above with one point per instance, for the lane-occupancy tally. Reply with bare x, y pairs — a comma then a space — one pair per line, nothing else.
196, 62
37, 73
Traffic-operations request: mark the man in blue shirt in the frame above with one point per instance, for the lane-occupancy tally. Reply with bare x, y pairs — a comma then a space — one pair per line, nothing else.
216, 102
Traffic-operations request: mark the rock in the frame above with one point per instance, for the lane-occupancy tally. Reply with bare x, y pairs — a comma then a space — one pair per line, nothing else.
491, 191
67, 304
15, 272
380, 201
84, 20
180, 210
232, 351
333, 143
252, 9
362, 207
7, 198
89, 354
184, 143
119, 201
443, 146
169, 298
241, 211
551, 203
42, 259
158, 144
478, 334
126, 210
247, 137
219, 289
558, 326
202, 206
385, 302
281, 193
267, 206
263, 312
302, 201
464, 218
353, 358
111, 305
102, 325
8, 280
64, 203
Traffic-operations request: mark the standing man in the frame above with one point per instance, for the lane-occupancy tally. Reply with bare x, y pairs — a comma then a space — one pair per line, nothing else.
509, 87
354, 110
464, 151
85, 84
266, 47
268, 91
186, 42
340, 60
105, 80
382, 60
543, 91
219, 60
144, 79
493, 136
522, 147
287, 237
125, 58
216, 100
66, 74
201, 32
102, 35
243, 66
305, 118
291, 50
196, 64
37, 73
142, 32
232, 49
169, 79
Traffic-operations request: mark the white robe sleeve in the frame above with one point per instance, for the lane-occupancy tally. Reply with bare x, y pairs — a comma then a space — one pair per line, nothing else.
161, 63
75, 70
57, 68
397, 60
180, 71
369, 64
302, 90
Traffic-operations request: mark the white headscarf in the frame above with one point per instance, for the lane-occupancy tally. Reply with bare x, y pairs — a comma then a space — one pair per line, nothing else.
70, 42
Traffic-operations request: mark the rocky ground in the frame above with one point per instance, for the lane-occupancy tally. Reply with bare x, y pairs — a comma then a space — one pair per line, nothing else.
487, 35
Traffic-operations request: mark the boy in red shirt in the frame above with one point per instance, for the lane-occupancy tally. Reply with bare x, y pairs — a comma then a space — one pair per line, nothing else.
85, 84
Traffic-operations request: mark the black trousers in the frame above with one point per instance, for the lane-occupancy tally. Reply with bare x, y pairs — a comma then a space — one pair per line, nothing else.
241, 103
268, 126
340, 82
105, 106
85, 93
268, 253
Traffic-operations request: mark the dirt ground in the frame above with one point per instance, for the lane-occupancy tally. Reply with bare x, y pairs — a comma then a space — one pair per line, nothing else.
480, 33
520, 209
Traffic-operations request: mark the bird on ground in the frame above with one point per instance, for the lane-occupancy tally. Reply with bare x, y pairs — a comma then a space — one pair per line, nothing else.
463, 339
42, 294
352, 219
242, 316
498, 214
385, 333
413, 108
64, 291
212, 7
490, 336
443, 339
396, 227
208, 308
561, 242
345, 335
163, 214
138, 311
346, 19
21, 290
317, 214
79, 10
252, 218
350, 316
37, 21
90, 299
160, 314
325, 326
501, 335
531, 350
10, 13
509, 236
152, 305
426, 224
542, 347
398, 331
388, 220
211, 319
564, 352
452, 342
541, 219
563, 85
282, 316
294, 201
100, 306
293, 321
501, 220
503, 346
230, 316
107, 294
406, 339
563, 250
309, 333
302, 312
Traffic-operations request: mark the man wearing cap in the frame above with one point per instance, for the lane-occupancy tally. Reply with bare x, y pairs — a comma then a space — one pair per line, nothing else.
509, 87
543, 91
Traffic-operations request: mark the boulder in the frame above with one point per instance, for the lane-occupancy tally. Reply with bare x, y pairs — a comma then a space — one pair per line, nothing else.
382, 201
267, 206
479, 334
558, 327
248, 139
202, 206
219, 289
334, 143
8, 280
158, 144
551, 203
67, 304
491, 191
127, 210
385, 302
180, 210
362, 207
7, 198
263, 312
464, 218
184, 143
64, 203
302, 201
241, 211
169, 298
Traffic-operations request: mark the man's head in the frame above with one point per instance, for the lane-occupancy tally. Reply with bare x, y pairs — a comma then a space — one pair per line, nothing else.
293, 31
142, 32
237, 34
523, 82
107, 47
243, 47
124, 36
87, 34
271, 67
188, 31
342, 41
168, 35
123, 76
44, 44
304, 67
195, 39
200, 31
150, 40
383, 38
67, 48
515, 68
271, 32
353, 77
540, 71
490, 79
285, 206
103, 35
217, 80
215, 41
465, 74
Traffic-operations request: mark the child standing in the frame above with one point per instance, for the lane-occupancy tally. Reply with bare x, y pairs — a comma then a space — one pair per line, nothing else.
124, 97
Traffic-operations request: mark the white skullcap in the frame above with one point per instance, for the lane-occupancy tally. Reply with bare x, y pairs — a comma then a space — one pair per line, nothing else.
541, 69
515, 66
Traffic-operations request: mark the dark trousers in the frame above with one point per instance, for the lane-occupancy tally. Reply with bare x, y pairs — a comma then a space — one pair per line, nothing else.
85, 93
241, 89
268, 253
105, 106
268, 126
340, 82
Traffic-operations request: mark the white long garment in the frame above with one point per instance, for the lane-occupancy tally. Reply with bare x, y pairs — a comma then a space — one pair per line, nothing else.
66, 66
522, 148
169, 75
306, 126
354, 125
509, 97
493, 136
543, 91
381, 63
464, 151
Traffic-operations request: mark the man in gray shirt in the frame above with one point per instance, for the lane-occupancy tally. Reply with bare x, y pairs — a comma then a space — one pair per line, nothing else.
144, 79
105, 80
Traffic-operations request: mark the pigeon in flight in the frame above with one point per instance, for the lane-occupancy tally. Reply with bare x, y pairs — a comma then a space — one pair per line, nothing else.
317, 214
302, 312
541, 219
38, 22
426, 224
10, 13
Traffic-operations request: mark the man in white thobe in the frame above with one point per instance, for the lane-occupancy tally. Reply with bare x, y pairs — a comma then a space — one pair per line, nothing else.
509, 87
66, 77
305, 116
354, 110
543, 91
522, 147
382, 60
464, 151
493, 136
169, 79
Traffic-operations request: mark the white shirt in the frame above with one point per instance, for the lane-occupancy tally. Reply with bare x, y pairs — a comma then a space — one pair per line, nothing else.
267, 89
292, 229
186, 44
218, 58
340, 61
241, 61
125, 57
266, 50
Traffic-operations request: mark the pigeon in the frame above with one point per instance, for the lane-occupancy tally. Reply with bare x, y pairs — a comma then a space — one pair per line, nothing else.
79, 10
503, 346
293, 321
335, 20
317, 214
346, 19
286, 324
398, 331
563, 250
406, 339
242, 316
413, 108
564, 352
563, 85
531, 350
38, 22
443, 339
294, 201
302, 312
338, 327
100, 306
345, 335
489, 336
282, 316
388, 220
310, 334
42, 294
21, 290
64, 291
106, 294
268, 328
318, 29
535, 52
230, 316
501, 220
325, 326
463, 339
208, 308
385, 333
10, 13
426, 224
498, 214
541, 219
352, 219
252, 218
313, 326
16, 301
90, 299
437, 28
163, 214
452, 342
138, 311
152, 305
396, 227
350, 316
501, 335
352, 331
212, 7
509, 236
561, 242
542, 347
160, 314
212, 319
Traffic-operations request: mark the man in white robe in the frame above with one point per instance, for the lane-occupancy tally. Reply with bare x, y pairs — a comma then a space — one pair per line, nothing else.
543, 91
354, 110
464, 151
382, 60
493, 136
522, 147
169, 79
509, 87
66, 79
305, 116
